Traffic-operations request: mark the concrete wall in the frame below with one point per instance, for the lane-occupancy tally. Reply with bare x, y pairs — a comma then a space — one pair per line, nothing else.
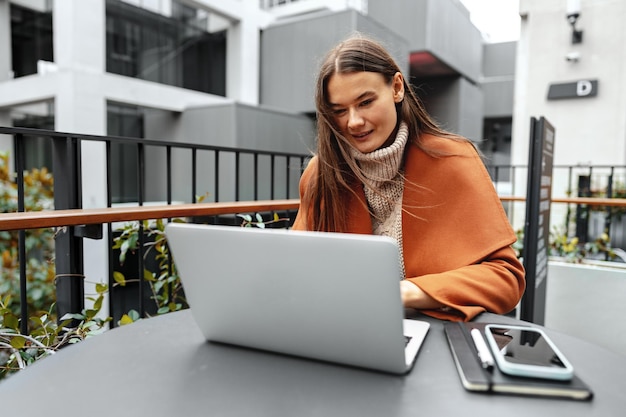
455, 103
292, 53
602, 286
580, 123
498, 78
441, 27
231, 125
588, 130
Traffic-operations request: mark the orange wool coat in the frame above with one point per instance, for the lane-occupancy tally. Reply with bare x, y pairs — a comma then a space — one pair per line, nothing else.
456, 236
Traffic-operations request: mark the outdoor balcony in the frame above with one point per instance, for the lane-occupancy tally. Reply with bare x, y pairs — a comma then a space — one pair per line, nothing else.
72, 255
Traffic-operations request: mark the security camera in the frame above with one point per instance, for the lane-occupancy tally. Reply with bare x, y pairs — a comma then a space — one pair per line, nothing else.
573, 9
572, 56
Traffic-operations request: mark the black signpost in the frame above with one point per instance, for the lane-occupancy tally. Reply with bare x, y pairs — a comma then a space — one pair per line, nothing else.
537, 225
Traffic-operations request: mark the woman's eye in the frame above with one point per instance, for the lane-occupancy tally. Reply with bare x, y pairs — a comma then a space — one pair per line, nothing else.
339, 112
366, 102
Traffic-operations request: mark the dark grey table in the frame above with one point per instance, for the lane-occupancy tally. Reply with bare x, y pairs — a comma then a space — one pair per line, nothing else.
162, 366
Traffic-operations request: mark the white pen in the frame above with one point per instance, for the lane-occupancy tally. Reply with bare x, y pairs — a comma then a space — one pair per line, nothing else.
484, 354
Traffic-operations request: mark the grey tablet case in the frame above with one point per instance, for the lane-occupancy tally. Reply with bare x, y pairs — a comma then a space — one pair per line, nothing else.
475, 378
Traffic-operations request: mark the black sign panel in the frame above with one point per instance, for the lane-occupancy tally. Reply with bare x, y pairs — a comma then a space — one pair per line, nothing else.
537, 225
577, 89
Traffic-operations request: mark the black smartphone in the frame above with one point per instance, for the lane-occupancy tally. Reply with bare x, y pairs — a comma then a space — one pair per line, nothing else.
528, 352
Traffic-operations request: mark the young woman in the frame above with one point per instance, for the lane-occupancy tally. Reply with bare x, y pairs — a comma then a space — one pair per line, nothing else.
384, 167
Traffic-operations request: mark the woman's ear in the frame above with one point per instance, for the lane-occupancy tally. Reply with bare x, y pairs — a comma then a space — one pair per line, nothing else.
398, 87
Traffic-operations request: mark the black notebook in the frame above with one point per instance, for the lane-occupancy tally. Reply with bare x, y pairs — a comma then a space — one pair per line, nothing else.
476, 378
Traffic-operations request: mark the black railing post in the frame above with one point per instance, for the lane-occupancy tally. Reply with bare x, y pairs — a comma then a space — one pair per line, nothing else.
68, 247
609, 210
582, 210
18, 145
141, 170
194, 175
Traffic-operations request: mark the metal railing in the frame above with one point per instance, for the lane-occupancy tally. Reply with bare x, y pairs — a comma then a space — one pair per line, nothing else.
583, 220
271, 177
253, 174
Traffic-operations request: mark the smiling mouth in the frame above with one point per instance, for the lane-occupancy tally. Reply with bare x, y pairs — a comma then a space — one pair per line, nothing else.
361, 136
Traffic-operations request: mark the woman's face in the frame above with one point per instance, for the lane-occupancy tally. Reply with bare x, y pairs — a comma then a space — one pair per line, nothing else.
363, 107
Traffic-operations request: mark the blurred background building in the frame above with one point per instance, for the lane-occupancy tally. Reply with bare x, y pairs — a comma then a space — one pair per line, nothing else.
241, 73
233, 73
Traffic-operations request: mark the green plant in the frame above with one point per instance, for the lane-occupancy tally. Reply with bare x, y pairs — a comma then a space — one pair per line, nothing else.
46, 335
39, 243
571, 249
247, 221
164, 283
165, 286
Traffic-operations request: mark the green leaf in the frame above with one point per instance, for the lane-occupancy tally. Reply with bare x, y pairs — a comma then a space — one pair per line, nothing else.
119, 278
72, 316
103, 288
246, 217
133, 314
18, 342
98, 304
36, 293
64, 323
11, 321
89, 314
147, 275
7, 300
123, 249
126, 319
163, 310
259, 218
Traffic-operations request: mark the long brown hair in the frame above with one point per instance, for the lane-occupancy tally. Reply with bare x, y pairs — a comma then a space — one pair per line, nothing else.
337, 170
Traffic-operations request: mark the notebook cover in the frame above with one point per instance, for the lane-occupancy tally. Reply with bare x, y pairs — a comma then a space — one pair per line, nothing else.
475, 378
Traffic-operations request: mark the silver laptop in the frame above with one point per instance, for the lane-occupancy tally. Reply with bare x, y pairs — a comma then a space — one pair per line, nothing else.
328, 296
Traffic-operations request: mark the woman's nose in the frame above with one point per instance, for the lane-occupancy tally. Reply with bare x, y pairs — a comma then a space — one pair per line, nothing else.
354, 119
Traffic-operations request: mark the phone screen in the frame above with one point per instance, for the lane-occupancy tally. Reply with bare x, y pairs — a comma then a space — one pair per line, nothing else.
525, 347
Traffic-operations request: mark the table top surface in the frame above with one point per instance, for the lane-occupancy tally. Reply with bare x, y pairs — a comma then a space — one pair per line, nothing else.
163, 366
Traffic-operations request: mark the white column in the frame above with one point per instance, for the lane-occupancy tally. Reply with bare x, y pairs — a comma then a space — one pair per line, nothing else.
6, 141
242, 62
6, 67
80, 107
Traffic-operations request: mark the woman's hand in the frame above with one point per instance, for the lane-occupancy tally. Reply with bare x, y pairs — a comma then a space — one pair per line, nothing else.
414, 297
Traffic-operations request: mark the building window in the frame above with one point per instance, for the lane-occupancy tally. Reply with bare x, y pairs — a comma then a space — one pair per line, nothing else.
496, 146
31, 39
124, 120
169, 50
38, 150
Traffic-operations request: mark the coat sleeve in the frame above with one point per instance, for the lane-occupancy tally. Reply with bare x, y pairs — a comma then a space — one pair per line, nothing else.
493, 284
457, 238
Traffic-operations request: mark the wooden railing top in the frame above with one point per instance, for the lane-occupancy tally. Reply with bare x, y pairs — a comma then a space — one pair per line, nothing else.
592, 201
75, 217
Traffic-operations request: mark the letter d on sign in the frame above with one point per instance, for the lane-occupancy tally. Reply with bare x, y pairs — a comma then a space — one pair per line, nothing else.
583, 88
